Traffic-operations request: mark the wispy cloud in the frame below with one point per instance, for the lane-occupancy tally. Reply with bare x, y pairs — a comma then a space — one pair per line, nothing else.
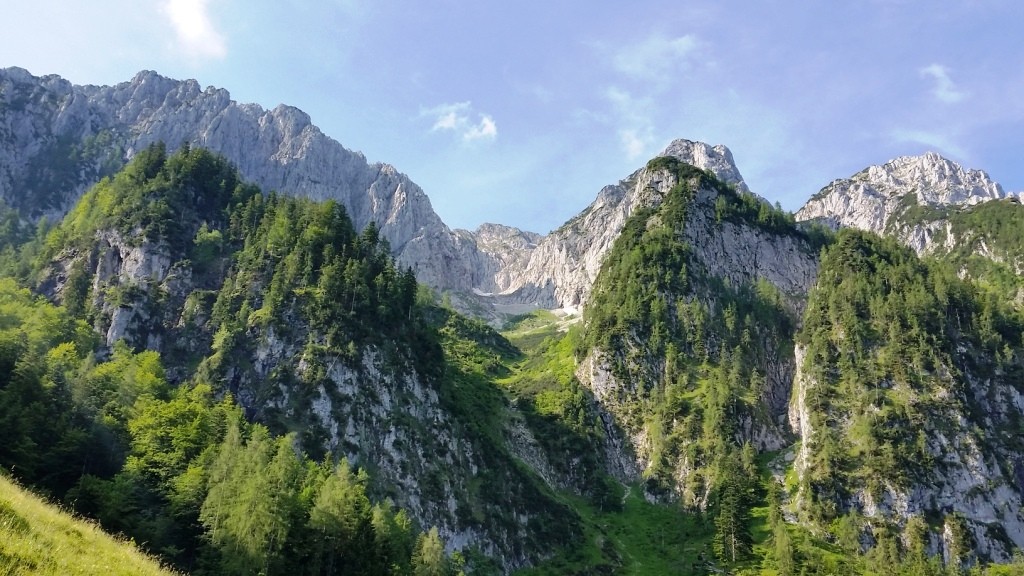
633, 143
636, 132
944, 89
647, 70
462, 120
486, 129
656, 56
197, 36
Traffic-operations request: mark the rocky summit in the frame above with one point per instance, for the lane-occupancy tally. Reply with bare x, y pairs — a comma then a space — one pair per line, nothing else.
881, 198
558, 270
57, 139
94, 130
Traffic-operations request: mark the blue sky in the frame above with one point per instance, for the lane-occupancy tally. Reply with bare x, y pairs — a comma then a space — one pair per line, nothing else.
519, 112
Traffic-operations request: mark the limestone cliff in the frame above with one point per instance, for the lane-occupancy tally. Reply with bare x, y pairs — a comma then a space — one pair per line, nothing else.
903, 197
558, 270
905, 399
642, 348
57, 139
363, 377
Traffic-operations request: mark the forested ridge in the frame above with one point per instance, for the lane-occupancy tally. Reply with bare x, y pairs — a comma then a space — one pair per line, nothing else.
175, 464
242, 382
897, 351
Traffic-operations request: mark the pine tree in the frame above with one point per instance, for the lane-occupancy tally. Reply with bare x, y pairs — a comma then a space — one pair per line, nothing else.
250, 507
732, 540
429, 558
392, 536
785, 562
341, 516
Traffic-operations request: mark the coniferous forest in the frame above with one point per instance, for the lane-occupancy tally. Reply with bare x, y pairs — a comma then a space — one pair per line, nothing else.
173, 354
170, 461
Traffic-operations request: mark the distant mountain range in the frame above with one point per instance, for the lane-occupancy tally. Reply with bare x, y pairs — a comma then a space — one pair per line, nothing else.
57, 139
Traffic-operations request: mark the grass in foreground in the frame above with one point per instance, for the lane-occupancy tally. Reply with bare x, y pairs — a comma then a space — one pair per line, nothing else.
37, 538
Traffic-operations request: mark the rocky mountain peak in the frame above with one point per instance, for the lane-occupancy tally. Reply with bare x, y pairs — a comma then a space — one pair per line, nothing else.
281, 149
558, 270
935, 180
47, 120
716, 159
877, 198
488, 233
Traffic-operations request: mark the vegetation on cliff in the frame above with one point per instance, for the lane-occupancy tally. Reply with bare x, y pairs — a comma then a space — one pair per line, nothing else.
189, 406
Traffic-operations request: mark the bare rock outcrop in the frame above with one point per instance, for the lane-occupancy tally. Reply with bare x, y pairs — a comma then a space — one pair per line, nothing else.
558, 270
57, 139
901, 197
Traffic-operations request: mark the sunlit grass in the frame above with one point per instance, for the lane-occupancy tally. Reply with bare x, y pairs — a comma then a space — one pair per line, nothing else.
37, 538
641, 539
528, 331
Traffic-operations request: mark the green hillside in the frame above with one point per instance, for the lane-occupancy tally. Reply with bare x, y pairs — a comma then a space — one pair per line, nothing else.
37, 538
149, 440
244, 383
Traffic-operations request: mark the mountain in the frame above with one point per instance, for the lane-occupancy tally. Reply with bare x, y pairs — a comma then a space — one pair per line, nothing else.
735, 388
56, 140
558, 270
906, 400
309, 325
901, 198
702, 275
937, 208
715, 331
712, 359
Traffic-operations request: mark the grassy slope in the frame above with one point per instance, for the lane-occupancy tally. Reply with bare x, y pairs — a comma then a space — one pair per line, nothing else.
37, 538
643, 538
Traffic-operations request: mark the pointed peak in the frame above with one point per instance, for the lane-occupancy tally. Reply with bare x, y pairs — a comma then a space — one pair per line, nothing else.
682, 145
143, 75
928, 159
934, 178
17, 73
151, 77
296, 116
717, 159
878, 195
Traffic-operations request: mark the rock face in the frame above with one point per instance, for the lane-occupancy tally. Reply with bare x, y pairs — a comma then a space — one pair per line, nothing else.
57, 139
369, 400
977, 479
558, 270
721, 253
900, 198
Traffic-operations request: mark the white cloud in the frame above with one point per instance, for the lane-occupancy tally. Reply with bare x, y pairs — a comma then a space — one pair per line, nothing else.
486, 129
634, 118
197, 36
650, 68
459, 118
449, 116
656, 56
945, 90
633, 143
